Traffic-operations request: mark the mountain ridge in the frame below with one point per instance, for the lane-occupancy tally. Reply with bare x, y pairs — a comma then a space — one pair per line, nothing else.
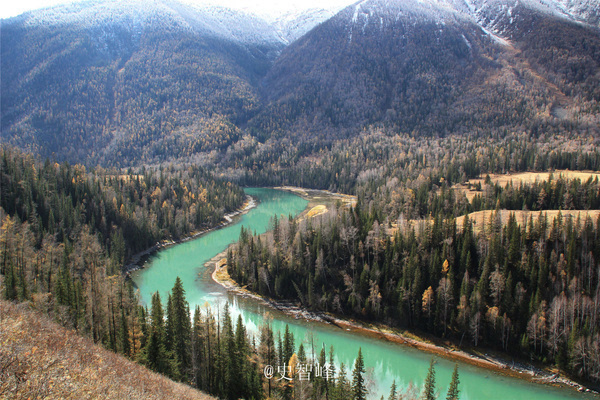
161, 80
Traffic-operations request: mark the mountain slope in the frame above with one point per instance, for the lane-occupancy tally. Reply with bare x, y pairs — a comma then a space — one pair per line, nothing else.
293, 25
130, 80
120, 83
552, 38
432, 67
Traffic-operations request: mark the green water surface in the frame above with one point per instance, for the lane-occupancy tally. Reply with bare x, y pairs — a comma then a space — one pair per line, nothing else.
385, 361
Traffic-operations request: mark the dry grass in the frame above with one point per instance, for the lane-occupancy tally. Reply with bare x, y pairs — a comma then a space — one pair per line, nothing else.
316, 210
482, 218
42, 360
525, 177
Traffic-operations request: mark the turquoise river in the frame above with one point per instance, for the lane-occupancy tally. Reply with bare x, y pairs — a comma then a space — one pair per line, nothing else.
385, 361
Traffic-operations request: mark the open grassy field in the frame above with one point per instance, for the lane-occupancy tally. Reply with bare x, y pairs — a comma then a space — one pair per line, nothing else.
525, 177
42, 360
482, 218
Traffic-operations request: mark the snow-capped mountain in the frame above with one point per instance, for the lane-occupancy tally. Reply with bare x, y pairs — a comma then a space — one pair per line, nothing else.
434, 66
117, 80
295, 24
137, 15
500, 15
497, 12
495, 15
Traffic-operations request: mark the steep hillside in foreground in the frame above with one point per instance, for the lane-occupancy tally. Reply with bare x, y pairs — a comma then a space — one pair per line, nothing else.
40, 359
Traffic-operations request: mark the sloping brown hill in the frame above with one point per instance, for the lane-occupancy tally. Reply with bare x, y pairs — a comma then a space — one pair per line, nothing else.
42, 360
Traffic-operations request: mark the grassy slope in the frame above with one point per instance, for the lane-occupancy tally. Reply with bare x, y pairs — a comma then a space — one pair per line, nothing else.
40, 359
526, 178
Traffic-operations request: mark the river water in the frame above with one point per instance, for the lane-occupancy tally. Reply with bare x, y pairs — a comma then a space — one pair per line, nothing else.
385, 361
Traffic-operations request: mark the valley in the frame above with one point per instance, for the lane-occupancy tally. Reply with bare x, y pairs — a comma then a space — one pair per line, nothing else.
436, 175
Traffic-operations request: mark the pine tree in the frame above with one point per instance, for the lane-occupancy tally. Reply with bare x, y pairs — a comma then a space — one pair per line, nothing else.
267, 349
155, 351
393, 391
197, 349
230, 372
182, 329
10, 283
287, 353
124, 334
320, 383
288, 345
301, 354
453, 391
429, 386
343, 389
359, 390
239, 357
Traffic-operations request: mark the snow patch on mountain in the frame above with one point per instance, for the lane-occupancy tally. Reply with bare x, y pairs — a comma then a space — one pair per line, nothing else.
295, 24
137, 15
497, 15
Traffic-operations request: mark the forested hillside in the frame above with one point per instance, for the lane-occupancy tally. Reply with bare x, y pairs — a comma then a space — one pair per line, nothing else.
40, 358
121, 84
385, 260
66, 234
531, 288
64, 238
427, 70
111, 82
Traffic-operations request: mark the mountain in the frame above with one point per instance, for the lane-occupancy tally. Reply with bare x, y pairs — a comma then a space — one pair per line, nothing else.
295, 24
490, 13
107, 81
437, 67
126, 82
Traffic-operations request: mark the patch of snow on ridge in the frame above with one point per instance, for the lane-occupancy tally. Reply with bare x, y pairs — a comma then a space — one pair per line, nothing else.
293, 25
136, 15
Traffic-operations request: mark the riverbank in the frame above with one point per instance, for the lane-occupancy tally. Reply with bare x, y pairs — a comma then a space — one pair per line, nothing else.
319, 201
447, 349
317, 197
137, 261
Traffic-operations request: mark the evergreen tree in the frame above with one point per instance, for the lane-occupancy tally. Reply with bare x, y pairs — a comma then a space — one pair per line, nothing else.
155, 351
230, 372
429, 386
267, 350
359, 389
288, 345
393, 391
343, 389
182, 329
239, 361
287, 353
320, 383
197, 349
124, 334
453, 391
